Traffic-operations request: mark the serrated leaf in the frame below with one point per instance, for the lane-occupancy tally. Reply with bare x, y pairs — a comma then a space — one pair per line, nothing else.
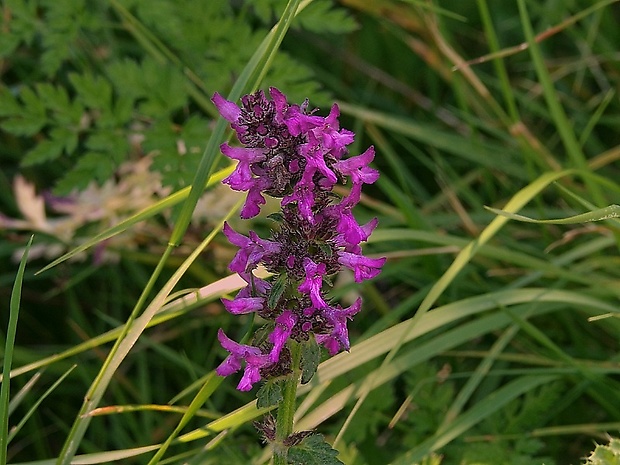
27, 118
92, 166
310, 358
269, 394
32, 103
165, 89
113, 143
126, 76
607, 213
8, 44
322, 16
277, 289
55, 98
66, 136
94, 91
8, 103
313, 451
45, 151
23, 125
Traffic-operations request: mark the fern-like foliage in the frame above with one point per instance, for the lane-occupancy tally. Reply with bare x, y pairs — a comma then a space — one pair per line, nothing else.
605, 454
90, 85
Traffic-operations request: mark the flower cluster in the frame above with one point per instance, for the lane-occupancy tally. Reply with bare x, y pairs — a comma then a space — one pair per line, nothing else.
297, 156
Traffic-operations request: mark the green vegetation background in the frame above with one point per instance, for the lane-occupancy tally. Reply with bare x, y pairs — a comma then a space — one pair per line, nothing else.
488, 339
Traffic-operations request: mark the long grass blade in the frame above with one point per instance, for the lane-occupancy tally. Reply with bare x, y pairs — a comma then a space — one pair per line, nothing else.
14, 305
480, 411
600, 214
385, 341
36, 404
248, 80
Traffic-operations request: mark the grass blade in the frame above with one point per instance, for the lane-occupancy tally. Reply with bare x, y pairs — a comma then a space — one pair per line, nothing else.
131, 332
11, 332
600, 214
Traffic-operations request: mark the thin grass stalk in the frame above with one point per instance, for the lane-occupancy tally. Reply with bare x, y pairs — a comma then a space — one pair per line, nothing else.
97, 388
16, 295
385, 341
131, 332
249, 80
562, 124
517, 202
498, 64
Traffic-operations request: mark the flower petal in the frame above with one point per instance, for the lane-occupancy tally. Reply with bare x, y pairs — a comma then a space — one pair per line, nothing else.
364, 267
229, 110
284, 327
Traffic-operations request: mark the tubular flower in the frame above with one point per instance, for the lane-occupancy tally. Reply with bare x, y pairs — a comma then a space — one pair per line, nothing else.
293, 154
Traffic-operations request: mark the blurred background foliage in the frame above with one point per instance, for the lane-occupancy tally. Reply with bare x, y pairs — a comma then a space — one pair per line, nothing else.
105, 110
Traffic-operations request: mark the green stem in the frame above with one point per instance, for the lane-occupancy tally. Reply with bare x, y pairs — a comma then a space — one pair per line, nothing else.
286, 410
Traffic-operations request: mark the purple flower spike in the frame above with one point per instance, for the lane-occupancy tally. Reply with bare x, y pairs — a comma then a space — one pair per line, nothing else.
254, 361
331, 136
251, 207
241, 178
329, 342
291, 153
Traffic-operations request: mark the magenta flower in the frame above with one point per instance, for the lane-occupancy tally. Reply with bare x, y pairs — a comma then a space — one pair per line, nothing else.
338, 318
253, 357
281, 333
363, 267
242, 305
252, 249
241, 178
357, 167
229, 110
313, 282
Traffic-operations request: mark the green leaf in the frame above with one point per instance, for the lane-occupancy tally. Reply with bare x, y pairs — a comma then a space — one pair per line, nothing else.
93, 91
25, 125
11, 332
606, 213
92, 166
66, 136
26, 119
56, 98
8, 103
321, 16
32, 103
313, 451
310, 358
269, 394
126, 77
277, 289
45, 151
113, 143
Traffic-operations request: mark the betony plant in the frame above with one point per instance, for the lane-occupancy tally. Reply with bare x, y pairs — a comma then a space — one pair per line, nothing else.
291, 153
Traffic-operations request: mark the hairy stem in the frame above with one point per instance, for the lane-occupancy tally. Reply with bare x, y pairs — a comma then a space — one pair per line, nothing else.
286, 410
